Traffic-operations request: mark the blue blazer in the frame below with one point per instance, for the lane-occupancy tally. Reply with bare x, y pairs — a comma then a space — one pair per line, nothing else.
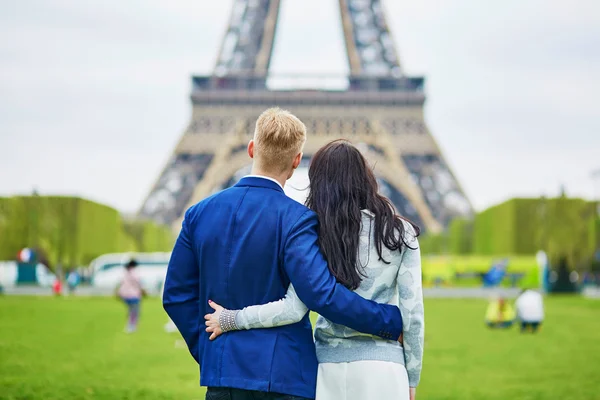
243, 246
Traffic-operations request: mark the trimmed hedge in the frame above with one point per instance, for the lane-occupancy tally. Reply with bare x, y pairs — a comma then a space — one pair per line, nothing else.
457, 240
72, 231
567, 231
148, 236
433, 243
495, 230
563, 227
460, 236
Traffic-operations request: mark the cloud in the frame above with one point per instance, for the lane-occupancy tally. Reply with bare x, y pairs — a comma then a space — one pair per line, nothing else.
94, 95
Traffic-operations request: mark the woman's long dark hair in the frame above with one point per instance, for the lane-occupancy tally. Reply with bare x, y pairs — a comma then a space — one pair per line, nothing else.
341, 185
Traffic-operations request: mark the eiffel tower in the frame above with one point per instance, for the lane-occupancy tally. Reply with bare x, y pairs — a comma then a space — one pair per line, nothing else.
379, 108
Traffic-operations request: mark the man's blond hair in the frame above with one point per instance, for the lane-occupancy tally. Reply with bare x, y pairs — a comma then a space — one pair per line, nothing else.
278, 137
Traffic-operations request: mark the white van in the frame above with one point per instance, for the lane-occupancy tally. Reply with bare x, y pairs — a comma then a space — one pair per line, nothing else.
12, 274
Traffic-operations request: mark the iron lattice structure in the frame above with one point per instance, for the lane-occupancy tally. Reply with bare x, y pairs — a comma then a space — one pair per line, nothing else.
379, 108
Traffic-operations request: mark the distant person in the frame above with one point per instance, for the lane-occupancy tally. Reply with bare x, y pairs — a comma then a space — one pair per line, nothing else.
57, 286
130, 291
499, 314
530, 310
73, 280
496, 273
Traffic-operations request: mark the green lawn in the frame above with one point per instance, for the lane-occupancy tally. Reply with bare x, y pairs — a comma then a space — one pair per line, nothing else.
74, 348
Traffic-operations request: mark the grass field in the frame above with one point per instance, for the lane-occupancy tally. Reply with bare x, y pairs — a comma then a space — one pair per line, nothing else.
74, 348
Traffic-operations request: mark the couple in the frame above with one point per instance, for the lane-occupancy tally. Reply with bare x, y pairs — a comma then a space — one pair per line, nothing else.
346, 256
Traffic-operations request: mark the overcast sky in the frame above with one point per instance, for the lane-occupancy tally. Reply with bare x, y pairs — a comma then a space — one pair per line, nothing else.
95, 94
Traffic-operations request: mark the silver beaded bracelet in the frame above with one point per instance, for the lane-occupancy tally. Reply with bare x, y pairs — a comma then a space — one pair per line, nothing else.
227, 320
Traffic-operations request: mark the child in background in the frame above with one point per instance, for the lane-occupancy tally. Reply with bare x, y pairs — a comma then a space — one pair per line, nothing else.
57, 286
499, 314
73, 280
131, 292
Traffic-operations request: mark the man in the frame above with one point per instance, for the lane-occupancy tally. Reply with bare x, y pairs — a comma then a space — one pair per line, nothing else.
530, 310
243, 246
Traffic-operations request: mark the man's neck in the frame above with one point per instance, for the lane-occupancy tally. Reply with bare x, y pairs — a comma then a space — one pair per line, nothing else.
279, 178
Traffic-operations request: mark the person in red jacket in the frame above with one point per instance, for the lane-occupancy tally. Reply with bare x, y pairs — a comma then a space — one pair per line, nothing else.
57, 287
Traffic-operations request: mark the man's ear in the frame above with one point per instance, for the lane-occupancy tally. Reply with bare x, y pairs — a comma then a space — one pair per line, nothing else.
251, 148
297, 160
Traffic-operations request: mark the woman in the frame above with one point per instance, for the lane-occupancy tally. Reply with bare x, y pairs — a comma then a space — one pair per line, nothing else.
370, 250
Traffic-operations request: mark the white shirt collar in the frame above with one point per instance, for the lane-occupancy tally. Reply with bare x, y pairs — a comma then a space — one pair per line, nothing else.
368, 212
264, 177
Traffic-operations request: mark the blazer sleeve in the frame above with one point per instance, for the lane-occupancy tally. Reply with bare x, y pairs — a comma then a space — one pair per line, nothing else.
181, 297
318, 289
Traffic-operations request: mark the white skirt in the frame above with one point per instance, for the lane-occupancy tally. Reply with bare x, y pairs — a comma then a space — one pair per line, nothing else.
362, 380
